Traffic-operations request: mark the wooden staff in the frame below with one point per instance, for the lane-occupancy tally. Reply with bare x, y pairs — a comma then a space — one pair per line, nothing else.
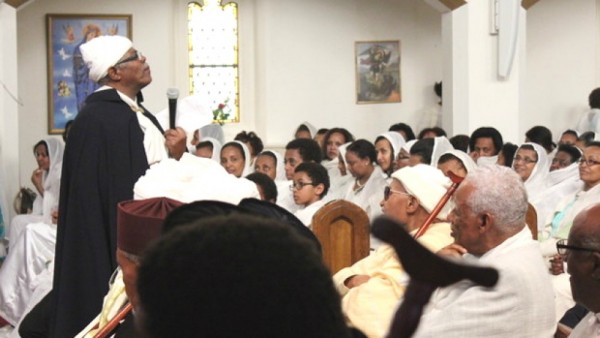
113, 323
456, 180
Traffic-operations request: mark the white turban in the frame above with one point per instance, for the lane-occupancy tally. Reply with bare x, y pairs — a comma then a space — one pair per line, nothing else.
101, 53
428, 184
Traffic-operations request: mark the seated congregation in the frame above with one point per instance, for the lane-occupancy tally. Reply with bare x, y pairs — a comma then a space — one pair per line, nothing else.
224, 238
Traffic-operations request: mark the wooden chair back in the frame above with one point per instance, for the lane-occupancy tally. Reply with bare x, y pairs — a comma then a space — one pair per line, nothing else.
342, 227
531, 219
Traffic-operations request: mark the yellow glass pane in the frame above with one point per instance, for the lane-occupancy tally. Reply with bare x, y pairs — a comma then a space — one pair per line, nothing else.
213, 52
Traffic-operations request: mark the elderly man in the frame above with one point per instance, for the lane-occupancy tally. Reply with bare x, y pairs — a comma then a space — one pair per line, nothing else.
582, 253
112, 142
488, 225
371, 288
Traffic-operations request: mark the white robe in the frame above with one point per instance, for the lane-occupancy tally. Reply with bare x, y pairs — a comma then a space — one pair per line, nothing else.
521, 304
305, 214
370, 306
29, 256
43, 205
368, 199
558, 184
588, 327
370, 195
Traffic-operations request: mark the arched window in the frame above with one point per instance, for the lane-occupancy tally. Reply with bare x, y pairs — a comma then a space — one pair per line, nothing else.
213, 56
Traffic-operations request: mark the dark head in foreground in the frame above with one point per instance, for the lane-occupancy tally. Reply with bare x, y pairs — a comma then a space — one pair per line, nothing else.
236, 276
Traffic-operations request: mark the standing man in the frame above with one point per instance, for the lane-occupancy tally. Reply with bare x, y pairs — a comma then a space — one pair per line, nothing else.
488, 226
112, 142
582, 253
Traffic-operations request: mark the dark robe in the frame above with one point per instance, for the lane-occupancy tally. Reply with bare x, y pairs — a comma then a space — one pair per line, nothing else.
103, 159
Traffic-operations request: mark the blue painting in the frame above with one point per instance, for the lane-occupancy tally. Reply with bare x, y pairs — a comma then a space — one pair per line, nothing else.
68, 81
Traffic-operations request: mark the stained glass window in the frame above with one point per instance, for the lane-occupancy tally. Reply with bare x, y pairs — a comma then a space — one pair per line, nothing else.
213, 56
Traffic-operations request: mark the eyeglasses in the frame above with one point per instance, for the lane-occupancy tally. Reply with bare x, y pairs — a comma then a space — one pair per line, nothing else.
526, 160
299, 185
387, 192
137, 56
589, 163
563, 249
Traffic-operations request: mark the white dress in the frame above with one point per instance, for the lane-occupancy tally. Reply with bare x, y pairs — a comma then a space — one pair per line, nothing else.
43, 206
28, 257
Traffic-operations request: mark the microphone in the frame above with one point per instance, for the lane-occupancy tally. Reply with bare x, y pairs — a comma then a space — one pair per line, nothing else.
172, 95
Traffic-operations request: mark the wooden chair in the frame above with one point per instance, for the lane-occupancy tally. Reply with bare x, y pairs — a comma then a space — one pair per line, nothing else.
531, 219
342, 227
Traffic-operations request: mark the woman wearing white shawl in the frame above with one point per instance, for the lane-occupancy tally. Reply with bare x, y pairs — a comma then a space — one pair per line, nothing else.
47, 198
440, 145
339, 185
270, 163
403, 156
273, 165
231, 153
533, 178
387, 146
559, 183
457, 161
428, 151
367, 190
564, 214
209, 142
32, 240
305, 130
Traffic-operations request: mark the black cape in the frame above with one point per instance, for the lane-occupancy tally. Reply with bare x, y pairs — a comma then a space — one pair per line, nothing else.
103, 159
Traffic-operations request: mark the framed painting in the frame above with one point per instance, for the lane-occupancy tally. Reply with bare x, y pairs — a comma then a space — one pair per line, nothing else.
68, 81
377, 72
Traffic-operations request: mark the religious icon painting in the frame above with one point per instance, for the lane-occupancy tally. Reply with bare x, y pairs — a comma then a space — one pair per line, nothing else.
377, 72
68, 81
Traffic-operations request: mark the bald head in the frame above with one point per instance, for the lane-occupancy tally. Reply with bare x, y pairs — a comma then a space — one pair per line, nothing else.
584, 262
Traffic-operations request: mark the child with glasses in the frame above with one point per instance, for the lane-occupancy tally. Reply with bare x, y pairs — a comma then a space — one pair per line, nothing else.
310, 184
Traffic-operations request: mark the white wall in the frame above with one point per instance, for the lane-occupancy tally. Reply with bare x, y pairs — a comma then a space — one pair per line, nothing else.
9, 137
305, 63
562, 63
152, 34
297, 61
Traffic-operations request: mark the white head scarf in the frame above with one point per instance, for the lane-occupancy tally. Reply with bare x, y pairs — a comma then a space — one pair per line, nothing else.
279, 164
466, 160
51, 181
536, 182
213, 130
395, 139
103, 52
342, 152
408, 145
440, 146
216, 153
311, 129
247, 159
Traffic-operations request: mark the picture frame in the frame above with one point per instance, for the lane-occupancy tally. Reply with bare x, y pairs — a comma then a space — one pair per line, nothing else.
378, 72
68, 82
